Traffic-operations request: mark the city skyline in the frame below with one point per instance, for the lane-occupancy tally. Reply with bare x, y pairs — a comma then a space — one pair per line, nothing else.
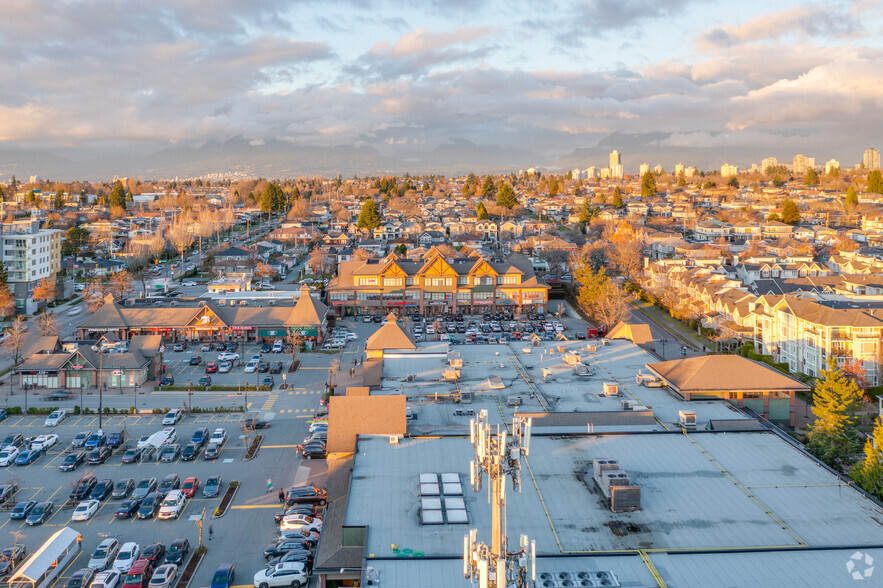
367, 86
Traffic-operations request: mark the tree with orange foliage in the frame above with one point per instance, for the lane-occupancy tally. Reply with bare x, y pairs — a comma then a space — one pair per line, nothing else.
625, 249
46, 290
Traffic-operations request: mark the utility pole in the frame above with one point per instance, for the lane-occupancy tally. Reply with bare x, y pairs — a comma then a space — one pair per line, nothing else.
499, 457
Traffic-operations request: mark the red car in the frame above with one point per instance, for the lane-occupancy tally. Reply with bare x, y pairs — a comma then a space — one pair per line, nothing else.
139, 574
190, 486
211, 367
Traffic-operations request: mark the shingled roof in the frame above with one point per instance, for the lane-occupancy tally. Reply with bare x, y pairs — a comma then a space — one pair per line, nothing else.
719, 373
307, 311
389, 336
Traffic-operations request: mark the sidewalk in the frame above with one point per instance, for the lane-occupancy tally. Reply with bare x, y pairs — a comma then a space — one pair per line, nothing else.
673, 325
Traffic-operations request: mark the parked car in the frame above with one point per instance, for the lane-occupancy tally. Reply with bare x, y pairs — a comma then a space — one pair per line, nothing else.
212, 487
200, 436
177, 552
128, 555
81, 578
55, 418
268, 381
190, 486
211, 367
7, 491
85, 510
8, 455
228, 356
314, 450
172, 417
205, 381
128, 508
13, 440
212, 451
10, 557
131, 455
179, 347
277, 346
219, 436
84, 487
123, 488
251, 367
154, 552
145, 486
266, 348
150, 506
224, 367
170, 452
169, 483
190, 452
172, 505
117, 438
80, 438
167, 381
72, 461
40, 513
195, 360
138, 575
99, 455
27, 457
102, 489
106, 579
22, 509
104, 554
164, 576
94, 440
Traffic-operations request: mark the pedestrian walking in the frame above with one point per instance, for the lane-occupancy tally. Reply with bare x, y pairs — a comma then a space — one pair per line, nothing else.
269, 485
281, 496
210, 532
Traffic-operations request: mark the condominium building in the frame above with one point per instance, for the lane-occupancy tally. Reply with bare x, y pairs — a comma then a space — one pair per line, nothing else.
830, 166
728, 171
804, 333
434, 284
801, 163
679, 169
643, 169
871, 159
29, 255
616, 169
767, 163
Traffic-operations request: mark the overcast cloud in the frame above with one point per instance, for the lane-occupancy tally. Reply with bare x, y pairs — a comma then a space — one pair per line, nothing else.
546, 78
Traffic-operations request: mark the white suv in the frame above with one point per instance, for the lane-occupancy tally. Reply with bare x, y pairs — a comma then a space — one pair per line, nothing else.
228, 356
172, 505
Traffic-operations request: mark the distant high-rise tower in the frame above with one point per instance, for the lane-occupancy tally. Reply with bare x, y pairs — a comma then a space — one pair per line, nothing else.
616, 165
768, 163
830, 166
871, 159
728, 170
802, 163
645, 167
679, 169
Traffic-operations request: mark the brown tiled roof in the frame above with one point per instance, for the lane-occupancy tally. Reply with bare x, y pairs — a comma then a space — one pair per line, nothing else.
307, 311
389, 336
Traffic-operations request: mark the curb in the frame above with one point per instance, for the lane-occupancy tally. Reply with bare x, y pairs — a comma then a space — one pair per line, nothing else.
260, 441
196, 569
235, 490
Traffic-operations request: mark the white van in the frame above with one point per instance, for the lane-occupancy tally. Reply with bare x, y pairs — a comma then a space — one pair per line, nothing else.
173, 505
277, 346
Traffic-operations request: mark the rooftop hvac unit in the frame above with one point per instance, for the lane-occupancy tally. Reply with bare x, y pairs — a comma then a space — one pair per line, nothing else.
603, 464
174, 303
222, 302
581, 579
271, 302
393, 439
611, 389
687, 419
625, 498
629, 404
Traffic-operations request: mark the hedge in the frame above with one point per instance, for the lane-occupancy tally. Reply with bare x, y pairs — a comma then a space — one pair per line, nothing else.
196, 388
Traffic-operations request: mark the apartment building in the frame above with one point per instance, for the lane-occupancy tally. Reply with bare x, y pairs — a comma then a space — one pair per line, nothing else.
434, 284
804, 333
29, 255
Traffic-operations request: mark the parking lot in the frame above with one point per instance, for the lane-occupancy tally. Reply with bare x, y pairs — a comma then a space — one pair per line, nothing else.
179, 367
238, 537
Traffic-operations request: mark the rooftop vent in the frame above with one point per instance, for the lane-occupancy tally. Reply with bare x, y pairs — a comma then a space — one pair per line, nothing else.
687, 419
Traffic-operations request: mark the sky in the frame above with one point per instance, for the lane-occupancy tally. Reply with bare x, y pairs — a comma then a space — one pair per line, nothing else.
544, 76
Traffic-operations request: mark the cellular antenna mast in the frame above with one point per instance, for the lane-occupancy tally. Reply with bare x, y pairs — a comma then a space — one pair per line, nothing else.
498, 456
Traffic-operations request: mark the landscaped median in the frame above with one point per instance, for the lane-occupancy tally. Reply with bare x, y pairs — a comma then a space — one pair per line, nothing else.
188, 573
213, 388
222, 508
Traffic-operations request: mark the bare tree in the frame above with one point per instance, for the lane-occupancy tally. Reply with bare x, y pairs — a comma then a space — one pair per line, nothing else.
180, 237
120, 285
16, 335
7, 301
262, 270
93, 295
47, 324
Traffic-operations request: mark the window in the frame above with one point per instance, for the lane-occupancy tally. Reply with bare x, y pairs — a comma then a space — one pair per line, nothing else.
438, 281
372, 281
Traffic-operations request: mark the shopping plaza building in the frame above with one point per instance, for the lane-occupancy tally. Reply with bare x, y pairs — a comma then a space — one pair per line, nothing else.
434, 284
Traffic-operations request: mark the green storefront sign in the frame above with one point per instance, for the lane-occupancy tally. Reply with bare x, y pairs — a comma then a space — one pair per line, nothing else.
272, 332
305, 331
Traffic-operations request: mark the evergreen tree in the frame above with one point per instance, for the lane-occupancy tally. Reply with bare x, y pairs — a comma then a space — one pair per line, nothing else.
869, 473
790, 214
369, 217
59, 200
875, 182
617, 198
681, 182
648, 185
481, 211
273, 199
777, 181
851, 200
553, 186
506, 197
811, 178
585, 213
836, 399
733, 182
4, 275
488, 189
117, 195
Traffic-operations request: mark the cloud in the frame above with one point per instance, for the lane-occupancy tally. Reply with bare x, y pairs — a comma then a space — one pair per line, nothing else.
812, 21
